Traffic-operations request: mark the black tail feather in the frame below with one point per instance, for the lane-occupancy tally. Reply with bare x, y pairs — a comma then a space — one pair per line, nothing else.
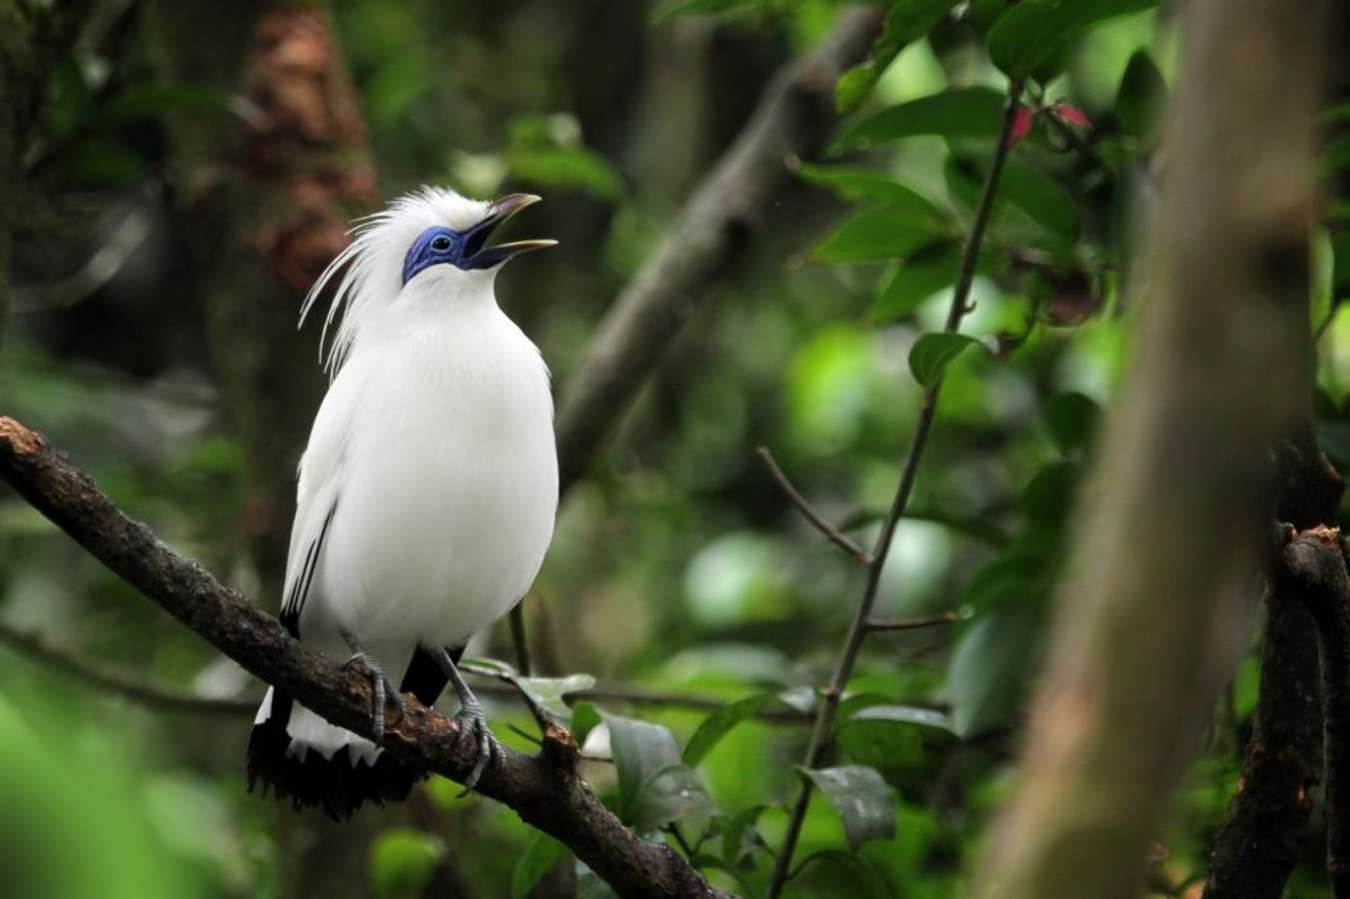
335, 784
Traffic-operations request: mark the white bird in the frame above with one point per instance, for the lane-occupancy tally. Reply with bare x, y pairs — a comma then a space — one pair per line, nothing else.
427, 493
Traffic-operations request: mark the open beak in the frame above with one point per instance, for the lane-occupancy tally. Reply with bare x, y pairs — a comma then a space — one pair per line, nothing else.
479, 256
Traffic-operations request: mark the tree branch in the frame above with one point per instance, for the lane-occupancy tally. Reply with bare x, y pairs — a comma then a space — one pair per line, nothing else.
794, 119
825, 716
545, 790
1260, 843
1314, 568
1154, 604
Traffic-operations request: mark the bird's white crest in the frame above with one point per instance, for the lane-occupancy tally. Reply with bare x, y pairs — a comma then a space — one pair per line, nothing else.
371, 266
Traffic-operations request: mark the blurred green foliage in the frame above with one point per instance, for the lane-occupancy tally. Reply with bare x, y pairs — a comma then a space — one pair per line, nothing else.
679, 566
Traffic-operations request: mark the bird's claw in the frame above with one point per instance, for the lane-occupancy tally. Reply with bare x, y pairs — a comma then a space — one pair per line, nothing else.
476, 722
383, 689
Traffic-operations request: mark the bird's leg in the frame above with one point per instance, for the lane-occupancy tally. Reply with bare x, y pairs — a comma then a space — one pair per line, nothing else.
472, 714
379, 681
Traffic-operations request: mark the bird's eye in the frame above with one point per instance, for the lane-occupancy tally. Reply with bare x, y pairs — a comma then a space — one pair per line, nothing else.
441, 243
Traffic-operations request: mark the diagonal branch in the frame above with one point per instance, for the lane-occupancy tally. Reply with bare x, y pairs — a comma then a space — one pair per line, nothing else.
794, 119
545, 790
832, 533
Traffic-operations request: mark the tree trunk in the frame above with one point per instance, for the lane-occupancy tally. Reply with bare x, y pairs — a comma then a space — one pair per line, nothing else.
1156, 602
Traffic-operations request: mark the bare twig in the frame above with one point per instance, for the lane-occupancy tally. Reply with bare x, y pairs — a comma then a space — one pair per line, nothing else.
959, 307
544, 790
833, 534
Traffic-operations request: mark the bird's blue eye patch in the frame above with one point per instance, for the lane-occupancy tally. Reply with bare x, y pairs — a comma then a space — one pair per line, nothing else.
433, 247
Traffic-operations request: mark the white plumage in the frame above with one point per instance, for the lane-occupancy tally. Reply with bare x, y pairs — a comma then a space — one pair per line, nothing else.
428, 490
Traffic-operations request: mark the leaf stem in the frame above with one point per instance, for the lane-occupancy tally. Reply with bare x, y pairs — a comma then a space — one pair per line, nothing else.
858, 631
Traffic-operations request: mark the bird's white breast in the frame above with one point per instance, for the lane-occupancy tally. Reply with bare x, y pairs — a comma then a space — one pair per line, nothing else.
447, 479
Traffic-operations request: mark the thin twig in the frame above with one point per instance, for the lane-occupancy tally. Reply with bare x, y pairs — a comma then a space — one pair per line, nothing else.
912, 624
34, 648
833, 534
825, 715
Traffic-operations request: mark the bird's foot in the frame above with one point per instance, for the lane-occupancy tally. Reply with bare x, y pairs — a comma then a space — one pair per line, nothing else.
475, 723
383, 688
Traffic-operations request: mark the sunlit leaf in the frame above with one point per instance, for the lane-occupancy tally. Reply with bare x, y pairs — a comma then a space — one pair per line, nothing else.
959, 112
932, 353
861, 798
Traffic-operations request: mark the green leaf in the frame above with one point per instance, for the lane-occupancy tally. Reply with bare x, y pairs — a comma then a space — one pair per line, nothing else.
959, 112
908, 21
671, 794
720, 723
851, 875
1048, 498
1073, 419
891, 737
401, 862
917, 278
853, 183
1032, 38
902, 714
1142, 98
1043, 198
932, 353
861, 798
585, 718
547, 692
891, 230
542, 853
641, 751
740, 839
989, 669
